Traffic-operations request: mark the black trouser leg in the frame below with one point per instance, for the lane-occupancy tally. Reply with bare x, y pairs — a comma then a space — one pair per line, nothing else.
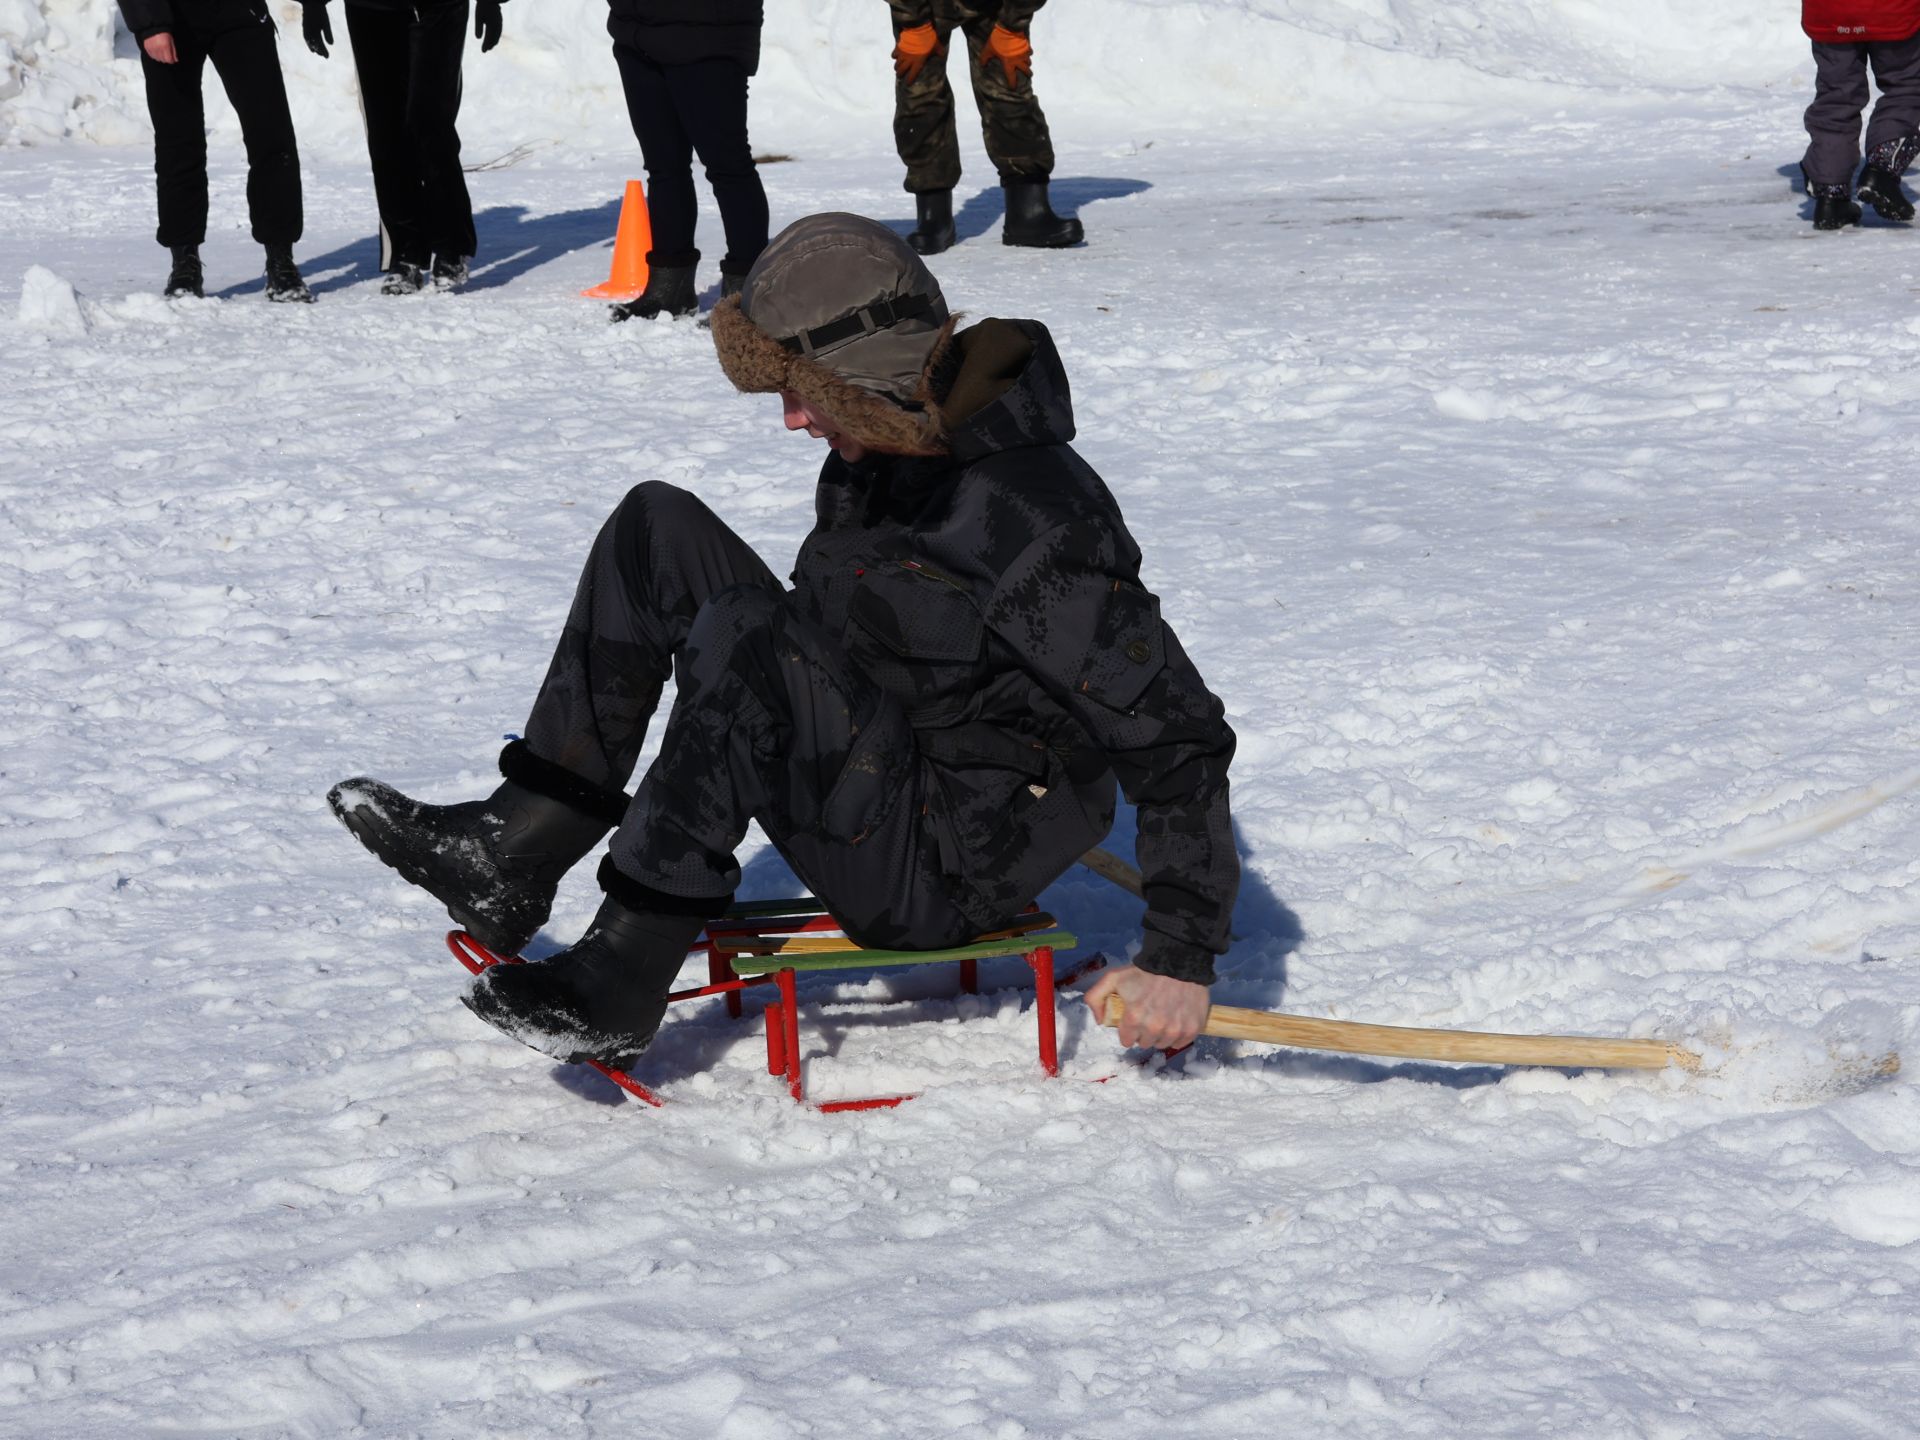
381, 59
771, 723
1833, 120
437, 41
661, 555
179, 140
710, 98
1896, 115
249, 66
667, 153
409, 68
775, 724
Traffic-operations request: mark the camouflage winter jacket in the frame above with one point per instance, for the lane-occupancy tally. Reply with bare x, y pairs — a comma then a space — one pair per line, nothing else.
995, 592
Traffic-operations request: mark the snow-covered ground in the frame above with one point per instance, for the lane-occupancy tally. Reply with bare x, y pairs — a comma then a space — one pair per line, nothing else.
1535, 487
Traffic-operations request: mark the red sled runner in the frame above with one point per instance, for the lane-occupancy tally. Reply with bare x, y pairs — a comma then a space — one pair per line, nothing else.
772, 942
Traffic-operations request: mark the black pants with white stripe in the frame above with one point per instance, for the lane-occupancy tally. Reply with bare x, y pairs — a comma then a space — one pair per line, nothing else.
408, 61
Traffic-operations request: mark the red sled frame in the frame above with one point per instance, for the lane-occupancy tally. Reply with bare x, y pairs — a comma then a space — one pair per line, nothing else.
773, 941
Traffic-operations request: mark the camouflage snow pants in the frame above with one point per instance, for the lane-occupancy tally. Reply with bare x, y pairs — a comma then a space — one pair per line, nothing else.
772, 724
1015, 129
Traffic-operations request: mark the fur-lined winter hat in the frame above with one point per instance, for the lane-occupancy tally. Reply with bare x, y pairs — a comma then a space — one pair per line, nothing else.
839, 310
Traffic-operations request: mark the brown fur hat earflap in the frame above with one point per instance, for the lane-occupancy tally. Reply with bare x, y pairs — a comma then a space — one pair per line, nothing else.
839, 310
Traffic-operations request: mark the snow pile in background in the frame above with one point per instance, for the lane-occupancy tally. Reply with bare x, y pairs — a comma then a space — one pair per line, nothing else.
48, 303
68, 70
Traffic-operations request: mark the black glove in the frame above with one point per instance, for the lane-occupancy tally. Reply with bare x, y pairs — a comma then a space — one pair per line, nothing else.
486, 24
314, 27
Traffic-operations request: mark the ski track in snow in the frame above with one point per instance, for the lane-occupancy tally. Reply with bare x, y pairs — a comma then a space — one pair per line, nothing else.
1537, 497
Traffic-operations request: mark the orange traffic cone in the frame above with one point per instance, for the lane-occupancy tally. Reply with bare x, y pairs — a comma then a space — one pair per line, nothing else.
631, 242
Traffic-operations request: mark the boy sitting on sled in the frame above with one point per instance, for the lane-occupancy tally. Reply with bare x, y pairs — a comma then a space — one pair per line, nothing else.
928, 726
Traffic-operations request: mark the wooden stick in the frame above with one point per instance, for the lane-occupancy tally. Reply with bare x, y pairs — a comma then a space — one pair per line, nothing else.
1351, 1038
1482, 1047
1110, 866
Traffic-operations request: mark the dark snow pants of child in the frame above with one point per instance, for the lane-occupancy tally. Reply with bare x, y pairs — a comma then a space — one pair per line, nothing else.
925, 131
238, 37
772, 723
408, 61
1840, 97
678, 110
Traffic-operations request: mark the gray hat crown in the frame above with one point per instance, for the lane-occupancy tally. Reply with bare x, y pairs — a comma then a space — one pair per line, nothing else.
850, 294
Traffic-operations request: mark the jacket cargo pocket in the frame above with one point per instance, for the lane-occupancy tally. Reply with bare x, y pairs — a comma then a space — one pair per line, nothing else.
876, 774
919, 636
1129, 647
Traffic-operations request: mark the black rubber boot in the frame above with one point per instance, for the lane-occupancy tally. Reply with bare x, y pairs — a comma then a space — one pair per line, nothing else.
602, 998
284, 284
1880, 188
934, 231
186, 277
494, 863
669, 292
1031, 221
1833, 208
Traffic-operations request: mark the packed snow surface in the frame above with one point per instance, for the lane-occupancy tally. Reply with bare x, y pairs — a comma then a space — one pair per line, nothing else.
1536, 490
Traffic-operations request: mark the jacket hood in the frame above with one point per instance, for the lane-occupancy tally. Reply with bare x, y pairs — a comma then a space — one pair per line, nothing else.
1003, 388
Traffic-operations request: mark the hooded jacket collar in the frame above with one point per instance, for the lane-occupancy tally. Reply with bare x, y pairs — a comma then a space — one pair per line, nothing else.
1009, 391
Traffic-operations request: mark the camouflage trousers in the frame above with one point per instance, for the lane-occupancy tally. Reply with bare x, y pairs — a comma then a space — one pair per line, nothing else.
1014, 128
772, 723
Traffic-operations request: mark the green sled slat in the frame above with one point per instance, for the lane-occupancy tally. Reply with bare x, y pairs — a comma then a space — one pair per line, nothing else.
859, 959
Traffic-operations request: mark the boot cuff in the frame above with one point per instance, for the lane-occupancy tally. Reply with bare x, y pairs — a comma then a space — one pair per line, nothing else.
631, 893
519, 764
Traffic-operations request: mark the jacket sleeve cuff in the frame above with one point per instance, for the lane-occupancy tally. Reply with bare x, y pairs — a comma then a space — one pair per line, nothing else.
1163, 955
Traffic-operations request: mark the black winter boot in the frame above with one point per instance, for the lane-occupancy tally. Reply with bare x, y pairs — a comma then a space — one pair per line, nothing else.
1880, 188
602, 998
669, 292
494, 863
1833, 208
934, 232
449, 272
283, 277
1031, 221
405, 278
186, 277
730, 284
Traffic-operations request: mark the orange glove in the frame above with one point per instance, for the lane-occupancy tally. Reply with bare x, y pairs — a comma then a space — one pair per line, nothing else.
1012, 49
911, 50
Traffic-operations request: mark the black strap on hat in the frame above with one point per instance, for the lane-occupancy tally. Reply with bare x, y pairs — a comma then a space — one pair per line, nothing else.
880, 315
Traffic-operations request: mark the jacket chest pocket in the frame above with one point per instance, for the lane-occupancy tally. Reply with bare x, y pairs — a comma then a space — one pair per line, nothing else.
917, 633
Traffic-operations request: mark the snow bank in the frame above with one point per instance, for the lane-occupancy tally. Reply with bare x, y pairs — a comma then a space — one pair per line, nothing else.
68, 70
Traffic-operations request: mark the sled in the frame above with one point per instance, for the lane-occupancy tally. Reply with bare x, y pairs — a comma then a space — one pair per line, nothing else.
774, 942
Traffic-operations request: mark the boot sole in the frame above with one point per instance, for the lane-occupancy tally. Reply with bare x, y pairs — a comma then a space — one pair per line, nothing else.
621, 1063
1065, 242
